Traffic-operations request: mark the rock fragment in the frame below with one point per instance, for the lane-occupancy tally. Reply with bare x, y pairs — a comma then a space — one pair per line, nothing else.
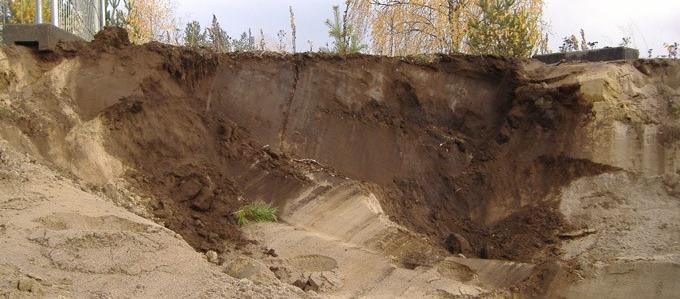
212, 257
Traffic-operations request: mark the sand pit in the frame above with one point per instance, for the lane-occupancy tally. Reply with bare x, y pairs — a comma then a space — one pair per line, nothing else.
432, 177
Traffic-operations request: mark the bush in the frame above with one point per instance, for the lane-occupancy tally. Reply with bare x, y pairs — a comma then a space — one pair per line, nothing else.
258, 211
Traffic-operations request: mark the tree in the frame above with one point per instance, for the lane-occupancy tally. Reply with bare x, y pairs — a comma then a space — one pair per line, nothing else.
23, 11
116, 15
5, 11
405, 27
281, 36
572, 43
569, 43
584, 43
194, 35
401, 27
149, 20
292, 28
245, 43
672, 49
217, 37
262, 43
251, 40
345, 41
625, 41
543, 45
503, 28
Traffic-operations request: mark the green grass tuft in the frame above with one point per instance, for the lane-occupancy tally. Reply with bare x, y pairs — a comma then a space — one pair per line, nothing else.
6, 113
258, 211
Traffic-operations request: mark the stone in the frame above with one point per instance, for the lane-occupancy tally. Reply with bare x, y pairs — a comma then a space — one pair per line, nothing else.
327, 281
190, 187
307, 283
25, 284
300, 283
212, 257
243, 267
271, 252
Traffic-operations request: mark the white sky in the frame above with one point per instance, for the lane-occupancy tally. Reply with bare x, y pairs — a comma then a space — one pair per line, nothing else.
649, 23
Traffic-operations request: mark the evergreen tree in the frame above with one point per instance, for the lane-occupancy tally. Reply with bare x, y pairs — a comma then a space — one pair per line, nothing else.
251, 41
345, 41
193, 35
245, 43
5, 11
217, 37
503, 28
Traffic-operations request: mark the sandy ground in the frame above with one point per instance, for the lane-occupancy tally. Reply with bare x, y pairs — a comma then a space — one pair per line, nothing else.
58, 240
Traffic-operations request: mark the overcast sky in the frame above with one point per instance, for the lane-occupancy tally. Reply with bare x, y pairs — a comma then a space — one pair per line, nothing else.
649, 23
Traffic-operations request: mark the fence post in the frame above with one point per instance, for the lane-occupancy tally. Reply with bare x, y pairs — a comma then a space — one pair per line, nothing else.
55, 13
102, 13
38, 12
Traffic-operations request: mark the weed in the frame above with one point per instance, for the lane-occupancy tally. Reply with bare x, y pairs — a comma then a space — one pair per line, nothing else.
258, 211
5, 113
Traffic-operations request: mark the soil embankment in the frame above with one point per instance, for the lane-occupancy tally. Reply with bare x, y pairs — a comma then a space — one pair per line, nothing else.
411, 161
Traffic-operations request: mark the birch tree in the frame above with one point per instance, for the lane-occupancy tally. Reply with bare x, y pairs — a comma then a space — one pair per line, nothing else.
405, 27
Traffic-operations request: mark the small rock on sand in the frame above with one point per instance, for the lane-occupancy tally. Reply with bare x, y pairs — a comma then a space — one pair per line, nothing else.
25, 285
212, 256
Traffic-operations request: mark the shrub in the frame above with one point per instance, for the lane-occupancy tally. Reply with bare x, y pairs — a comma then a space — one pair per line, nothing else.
258, 211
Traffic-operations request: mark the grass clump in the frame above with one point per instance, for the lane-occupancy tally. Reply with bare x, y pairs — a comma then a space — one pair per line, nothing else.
5, 113
258, 211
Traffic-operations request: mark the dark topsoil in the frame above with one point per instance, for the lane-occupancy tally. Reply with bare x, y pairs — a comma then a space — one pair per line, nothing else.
203, 164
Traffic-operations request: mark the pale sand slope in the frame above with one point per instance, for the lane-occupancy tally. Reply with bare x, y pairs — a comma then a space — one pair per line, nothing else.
336, 236
57, 240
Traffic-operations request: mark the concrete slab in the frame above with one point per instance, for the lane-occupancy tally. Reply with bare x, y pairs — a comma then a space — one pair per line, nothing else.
43, 36
604, 54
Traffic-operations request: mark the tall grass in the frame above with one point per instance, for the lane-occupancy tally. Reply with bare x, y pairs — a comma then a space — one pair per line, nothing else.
258, 211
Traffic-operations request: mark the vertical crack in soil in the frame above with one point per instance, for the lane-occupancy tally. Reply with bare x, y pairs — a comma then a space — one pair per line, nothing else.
288, 105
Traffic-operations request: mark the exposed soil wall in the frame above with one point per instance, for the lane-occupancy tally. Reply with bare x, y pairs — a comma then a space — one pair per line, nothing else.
474, 153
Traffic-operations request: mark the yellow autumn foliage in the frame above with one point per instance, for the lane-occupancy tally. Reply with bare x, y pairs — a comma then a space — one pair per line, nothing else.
23, 11
150, 20
408, 27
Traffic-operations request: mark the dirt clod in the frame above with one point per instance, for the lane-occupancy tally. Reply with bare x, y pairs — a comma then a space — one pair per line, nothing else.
455, 244
306, 284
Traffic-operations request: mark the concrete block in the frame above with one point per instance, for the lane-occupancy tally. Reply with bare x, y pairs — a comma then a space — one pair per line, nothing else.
43, 36
604, 54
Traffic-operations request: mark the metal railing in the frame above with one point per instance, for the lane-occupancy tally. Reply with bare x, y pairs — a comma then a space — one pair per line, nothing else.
80, 17
83, 18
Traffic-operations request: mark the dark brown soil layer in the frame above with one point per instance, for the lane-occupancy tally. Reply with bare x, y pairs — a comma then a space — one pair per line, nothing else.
451, 145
